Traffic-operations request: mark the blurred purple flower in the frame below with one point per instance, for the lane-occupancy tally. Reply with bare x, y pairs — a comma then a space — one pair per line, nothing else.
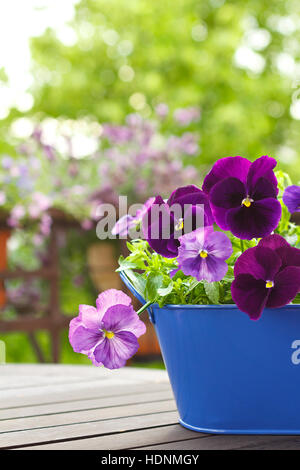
45, 225
291, 198
108, 333
39, 204
202, 254
49, 152
187, 144
2, 198
16, 214
7, 162
37, 133
267, 275
73, 169
38, 239
243, 196
127, 222
162, 110
78, 281
87, 224
117, 134
185, 116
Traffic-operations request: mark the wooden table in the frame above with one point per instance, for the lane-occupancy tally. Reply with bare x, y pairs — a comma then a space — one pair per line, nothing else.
82, 407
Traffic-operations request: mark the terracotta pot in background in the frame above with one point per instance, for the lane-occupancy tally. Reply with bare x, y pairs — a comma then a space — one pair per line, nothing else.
102, 263
4, 236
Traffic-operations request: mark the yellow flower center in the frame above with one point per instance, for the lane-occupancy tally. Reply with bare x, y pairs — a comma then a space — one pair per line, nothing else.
108, 334
247, 201
203, 253
179, 226
269, 284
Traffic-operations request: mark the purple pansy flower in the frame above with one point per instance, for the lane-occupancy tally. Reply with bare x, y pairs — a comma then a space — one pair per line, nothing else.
202, 254
127, 222
267, 275
291, 198
108, 333
243, 196
161, 225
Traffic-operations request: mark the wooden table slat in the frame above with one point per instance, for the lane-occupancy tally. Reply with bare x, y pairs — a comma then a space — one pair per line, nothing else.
172, 433
63, 433
84, 416
90, 404
232, 442
82, 407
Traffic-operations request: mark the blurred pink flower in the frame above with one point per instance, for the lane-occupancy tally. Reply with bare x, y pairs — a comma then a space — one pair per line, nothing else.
185, 116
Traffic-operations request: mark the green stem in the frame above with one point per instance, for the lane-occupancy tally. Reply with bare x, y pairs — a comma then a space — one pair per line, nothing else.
144, 307
242, 246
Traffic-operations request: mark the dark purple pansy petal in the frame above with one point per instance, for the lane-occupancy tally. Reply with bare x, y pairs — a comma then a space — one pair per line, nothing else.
256, 221
262, 263
273, 241
262, 168
193, 196
196, 217
113, 353
291, 198
158, 225
263, 189
250, 295
172, 246
187, 195
228, 193
236, 167
225, 195
289, 255
83, 339
286, 287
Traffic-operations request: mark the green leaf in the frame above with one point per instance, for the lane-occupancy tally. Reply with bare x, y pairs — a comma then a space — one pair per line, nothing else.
212, 291
154, 282
164, 291
137, 281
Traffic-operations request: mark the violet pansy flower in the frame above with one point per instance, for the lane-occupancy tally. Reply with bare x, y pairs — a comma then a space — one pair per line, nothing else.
267, 275
127, 222
243, 196
108, 333
162, 227
291, 198
202, 254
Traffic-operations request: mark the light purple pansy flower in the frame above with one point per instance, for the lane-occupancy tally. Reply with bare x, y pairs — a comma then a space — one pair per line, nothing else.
127, 222
291, 198
108, 333
202, 254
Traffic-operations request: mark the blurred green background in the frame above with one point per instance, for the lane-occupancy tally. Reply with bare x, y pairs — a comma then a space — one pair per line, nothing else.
238, 61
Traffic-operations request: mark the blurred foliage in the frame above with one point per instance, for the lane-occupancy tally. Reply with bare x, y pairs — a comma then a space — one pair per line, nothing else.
131, 55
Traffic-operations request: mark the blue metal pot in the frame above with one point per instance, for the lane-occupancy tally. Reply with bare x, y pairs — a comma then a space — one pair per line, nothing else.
230, 374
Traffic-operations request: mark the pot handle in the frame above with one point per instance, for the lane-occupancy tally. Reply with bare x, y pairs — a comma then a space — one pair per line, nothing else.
136, 294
